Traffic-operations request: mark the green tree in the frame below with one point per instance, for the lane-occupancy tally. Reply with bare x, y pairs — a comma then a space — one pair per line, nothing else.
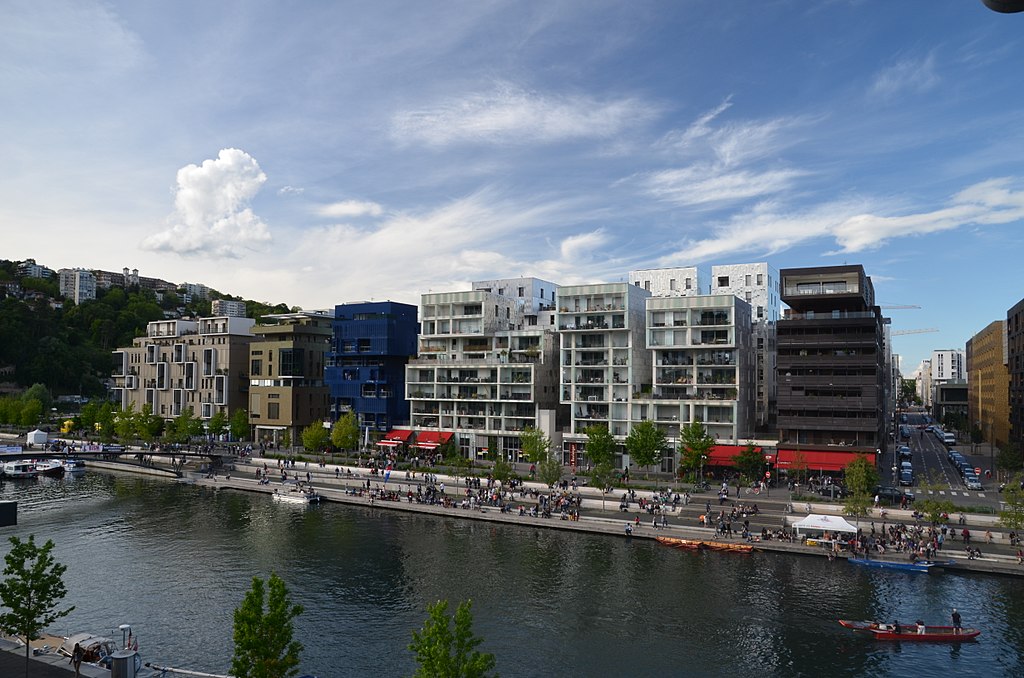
934, 509
315, 437
645, 443
1012, 515
602, 476
750, 462
502, 471
442, 652
41, 393
32, 589
535, 445
286, 439
184, 427
861, 476
239, 424
125, 422
857, 505
345, 432
694, 445
549, 470
1008, 458
148, 426
600, 448
263, 632
217, 424
31, 413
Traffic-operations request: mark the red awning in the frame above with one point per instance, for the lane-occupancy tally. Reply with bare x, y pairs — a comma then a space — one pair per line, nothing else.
399, 435
818, 460
429, 440
723, 455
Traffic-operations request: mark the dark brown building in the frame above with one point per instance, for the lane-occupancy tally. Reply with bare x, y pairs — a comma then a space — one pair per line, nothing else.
1015, 364
831, 369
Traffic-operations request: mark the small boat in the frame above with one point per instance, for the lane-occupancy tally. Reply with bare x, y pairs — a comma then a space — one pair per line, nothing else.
910, 632
916, 566
74, 466
297, 495
701, 545
49, 467
20, 469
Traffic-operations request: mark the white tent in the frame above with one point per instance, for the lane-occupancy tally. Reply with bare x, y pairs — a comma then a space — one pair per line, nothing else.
824, 523
36, 437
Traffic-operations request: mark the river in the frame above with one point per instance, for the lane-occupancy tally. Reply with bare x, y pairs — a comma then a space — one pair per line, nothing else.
175, 560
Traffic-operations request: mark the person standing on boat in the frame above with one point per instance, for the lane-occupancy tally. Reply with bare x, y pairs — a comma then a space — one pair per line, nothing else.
956, 621
77, 655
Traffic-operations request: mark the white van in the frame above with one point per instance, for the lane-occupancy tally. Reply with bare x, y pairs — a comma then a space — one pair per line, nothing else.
949, 438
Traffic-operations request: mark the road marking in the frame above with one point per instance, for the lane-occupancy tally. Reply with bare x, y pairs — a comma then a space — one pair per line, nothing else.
981, 494
942, 492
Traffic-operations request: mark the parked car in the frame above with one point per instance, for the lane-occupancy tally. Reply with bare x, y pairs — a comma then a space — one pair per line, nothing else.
904, 452
906, 478
834, 491
972, 481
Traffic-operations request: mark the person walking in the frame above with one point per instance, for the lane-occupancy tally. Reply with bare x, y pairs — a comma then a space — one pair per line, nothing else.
77, 655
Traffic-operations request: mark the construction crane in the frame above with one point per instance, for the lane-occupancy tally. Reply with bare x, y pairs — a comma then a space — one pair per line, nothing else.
897, 333
899, 306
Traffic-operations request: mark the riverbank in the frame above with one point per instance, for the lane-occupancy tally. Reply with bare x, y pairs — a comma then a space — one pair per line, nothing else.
597, 515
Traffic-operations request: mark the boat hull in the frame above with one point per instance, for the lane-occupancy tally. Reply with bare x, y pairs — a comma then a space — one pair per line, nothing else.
702, 545
919, 566
934, 634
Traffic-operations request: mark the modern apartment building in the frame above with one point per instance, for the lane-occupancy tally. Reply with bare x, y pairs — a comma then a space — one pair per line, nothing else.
227, 307
1015, 365
682, 281
77, 284
988, 383
703, 367
947, 365
287, 392
371, 344
923, 379
199, 364
486, 367
831, 369
605, 363
30, 269
758, 285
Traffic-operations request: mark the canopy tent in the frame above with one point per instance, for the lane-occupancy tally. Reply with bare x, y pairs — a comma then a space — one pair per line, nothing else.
823, 523
36, 437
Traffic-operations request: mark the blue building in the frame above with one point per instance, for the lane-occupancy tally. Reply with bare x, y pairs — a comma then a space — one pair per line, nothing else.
365, 369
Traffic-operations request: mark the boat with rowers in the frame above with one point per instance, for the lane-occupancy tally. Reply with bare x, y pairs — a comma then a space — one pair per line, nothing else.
915, 566
703, 545
914, 632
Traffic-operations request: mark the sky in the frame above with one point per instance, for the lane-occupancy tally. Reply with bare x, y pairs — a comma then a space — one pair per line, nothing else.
316, 153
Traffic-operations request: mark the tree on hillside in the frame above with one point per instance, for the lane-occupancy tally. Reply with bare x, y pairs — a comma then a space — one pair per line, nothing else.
645, 443
264, 632
444, 652
695, 445
345, 432
32, 589
40, 393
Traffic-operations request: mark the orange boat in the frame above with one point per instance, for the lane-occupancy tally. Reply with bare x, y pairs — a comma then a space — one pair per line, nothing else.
700, 545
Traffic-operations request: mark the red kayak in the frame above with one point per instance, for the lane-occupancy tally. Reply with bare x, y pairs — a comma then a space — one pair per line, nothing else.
882, 631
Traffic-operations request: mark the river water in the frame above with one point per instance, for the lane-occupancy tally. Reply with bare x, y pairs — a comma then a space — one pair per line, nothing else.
175, 560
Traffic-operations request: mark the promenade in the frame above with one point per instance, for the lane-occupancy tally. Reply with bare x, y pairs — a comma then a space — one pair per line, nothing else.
348, 484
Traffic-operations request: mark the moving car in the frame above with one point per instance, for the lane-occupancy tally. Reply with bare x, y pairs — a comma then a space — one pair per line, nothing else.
972, 481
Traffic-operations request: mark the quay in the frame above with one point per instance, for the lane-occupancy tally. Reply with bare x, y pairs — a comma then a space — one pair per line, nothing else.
596, 516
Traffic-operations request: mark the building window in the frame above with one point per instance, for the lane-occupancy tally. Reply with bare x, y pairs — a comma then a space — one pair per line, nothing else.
672, 284
256, 368
760, 278
273, 410
689, 283
723, 281
521, 291
746, 281
647, 285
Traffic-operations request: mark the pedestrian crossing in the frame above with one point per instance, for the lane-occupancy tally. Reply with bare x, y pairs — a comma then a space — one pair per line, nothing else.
954, 493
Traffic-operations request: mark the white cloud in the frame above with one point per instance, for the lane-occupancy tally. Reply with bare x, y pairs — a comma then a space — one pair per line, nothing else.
854, 225
350, 208
907, 75
701, 185
212, 215
290, 190
576, 246
510, 115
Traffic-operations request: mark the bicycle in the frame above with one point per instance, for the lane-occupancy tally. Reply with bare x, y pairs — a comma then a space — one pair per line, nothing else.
753, 490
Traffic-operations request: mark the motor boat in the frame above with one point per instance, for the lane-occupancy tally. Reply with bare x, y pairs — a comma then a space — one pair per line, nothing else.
20, 469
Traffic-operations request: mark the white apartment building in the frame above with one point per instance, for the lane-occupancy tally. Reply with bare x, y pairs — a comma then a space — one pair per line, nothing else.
604, 359
200, 364
77, 284
226, 307
923, 377
486, 367
758, 285
682, 281
30, 269
703, 367
948, 364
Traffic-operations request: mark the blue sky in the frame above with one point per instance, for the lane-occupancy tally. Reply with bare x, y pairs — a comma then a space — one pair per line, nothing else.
315, 153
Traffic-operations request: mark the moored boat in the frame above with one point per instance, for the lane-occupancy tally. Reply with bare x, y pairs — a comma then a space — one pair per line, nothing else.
49, 467
20, 469
700, 544
912, 632
74, 466
297, 495
916, 566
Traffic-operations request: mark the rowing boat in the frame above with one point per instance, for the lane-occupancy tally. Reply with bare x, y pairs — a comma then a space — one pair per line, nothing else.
911, 632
